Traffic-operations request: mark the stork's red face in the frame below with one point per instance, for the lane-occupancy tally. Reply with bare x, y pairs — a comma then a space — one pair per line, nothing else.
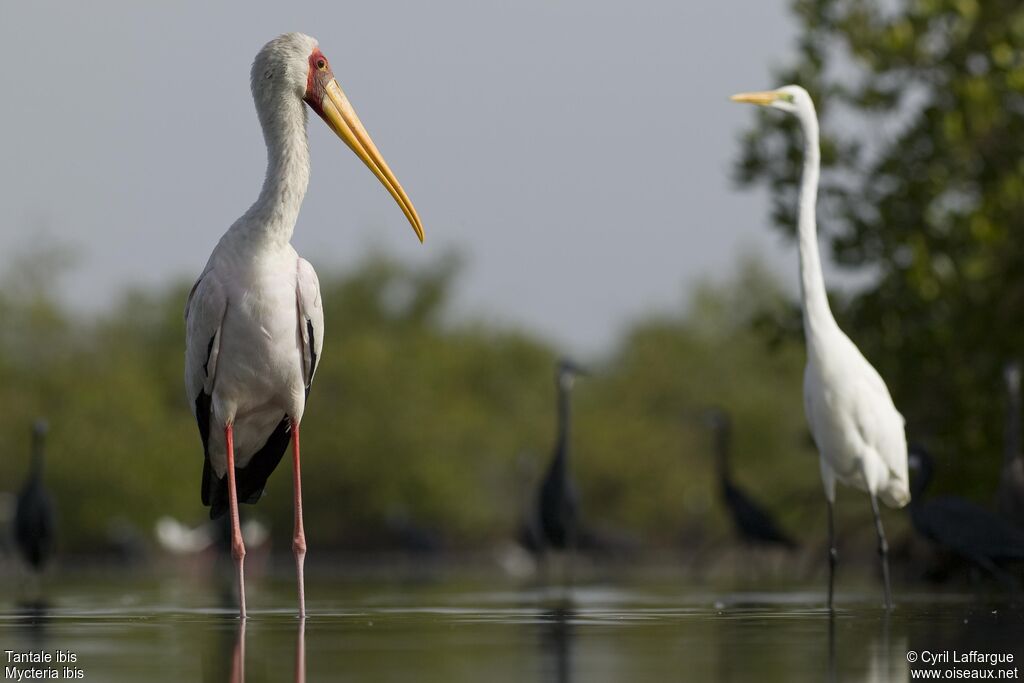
326, 98
320, 75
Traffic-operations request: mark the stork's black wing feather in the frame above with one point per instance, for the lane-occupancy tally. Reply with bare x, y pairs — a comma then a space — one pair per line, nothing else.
312, 354
251, 480
203, 420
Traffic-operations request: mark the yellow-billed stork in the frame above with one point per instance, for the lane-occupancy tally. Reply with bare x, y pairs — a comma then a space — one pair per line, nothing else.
254, 320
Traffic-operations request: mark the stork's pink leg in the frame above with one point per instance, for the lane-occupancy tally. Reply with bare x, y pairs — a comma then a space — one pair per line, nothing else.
299, 539
237, 545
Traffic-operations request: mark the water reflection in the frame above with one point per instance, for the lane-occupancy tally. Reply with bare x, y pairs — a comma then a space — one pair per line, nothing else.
238, 655
229, 664
300, 653
991, 628
832, 673
457, 632
221, 649
873, 647
33, 617
556, 641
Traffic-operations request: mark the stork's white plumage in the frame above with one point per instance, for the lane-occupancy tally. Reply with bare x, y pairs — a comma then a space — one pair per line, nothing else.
254, 320
858, 431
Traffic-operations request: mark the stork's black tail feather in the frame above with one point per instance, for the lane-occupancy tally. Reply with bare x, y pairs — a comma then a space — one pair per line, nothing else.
250, 480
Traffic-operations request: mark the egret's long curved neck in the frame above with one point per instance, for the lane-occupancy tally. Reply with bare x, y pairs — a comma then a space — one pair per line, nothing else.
817, 315
271, 220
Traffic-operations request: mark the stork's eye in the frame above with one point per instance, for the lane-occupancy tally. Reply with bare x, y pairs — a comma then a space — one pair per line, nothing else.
321, 64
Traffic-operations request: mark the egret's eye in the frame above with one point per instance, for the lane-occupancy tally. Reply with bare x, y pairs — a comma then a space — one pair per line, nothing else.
321, 64
786, 97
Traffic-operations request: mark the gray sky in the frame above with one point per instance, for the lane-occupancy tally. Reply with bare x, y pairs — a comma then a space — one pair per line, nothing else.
577, 152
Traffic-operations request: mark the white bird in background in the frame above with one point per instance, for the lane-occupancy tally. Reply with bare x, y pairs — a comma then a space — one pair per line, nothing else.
857, 429
254, 321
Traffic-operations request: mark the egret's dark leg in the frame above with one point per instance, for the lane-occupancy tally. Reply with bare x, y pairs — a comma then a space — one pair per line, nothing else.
833, 554
237, 545
883, 551
299, 538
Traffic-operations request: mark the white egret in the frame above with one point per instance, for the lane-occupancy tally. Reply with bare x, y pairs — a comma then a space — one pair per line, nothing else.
858, 431
254, 321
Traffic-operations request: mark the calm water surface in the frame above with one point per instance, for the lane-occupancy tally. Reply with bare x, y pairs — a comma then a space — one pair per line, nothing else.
170, 630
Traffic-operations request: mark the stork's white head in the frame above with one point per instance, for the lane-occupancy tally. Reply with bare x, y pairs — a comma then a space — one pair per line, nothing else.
790, 98
291, 68
282, 68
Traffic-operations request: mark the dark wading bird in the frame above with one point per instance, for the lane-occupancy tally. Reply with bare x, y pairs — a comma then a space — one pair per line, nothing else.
555, 523
34, 518
254, 320
960, 526
1011, 479
856, 427
753, 523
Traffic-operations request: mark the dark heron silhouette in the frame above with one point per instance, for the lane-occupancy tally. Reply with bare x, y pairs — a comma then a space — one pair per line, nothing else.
557, 521
34, 519
1010, 498
753, 523
960, 526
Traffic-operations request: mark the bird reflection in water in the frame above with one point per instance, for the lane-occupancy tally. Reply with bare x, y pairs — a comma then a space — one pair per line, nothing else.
33, 618
883, 660
556, 636
235, 670
300, 653
238, 656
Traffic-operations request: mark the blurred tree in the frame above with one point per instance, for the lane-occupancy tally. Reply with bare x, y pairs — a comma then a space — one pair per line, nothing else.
643, 451
921, 105
417, 417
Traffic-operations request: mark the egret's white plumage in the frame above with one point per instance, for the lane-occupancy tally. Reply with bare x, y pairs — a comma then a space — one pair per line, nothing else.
858, 431
254, 320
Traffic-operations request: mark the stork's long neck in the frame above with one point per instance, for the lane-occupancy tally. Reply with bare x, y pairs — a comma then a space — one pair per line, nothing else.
271, 220
817, 315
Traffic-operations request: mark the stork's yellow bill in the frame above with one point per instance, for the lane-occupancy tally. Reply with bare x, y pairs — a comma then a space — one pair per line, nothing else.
328, 100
